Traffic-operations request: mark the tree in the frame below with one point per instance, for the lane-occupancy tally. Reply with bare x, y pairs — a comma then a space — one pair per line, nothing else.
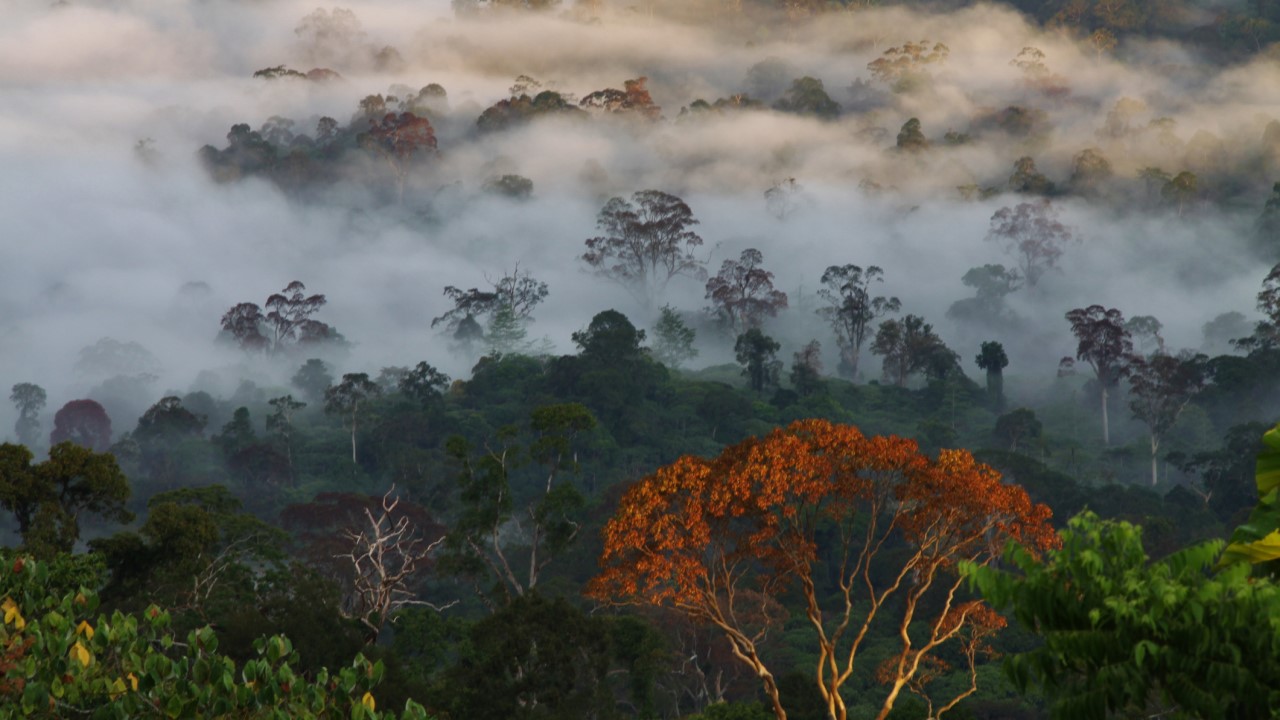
508, 306
479, 544
991, 284
805, 513
48, 499
806, 369
1145, 329
1125, 636
1027, 180
385, 556
1267, 227
350, 399
244, 323
287, 319
806, 96
906, 67
424, 384
1016, 426
673, 339
1032, 233
909, 346
535, 658
400, 139
993, 359
609, 339
1180, 191
84, 423
646, 242
633, 99
851, 309
1090, 170
1160, 387
313, 379
1105, 344
78, 664
29, 399
911, 138
783, 198
280, 425
756, 352
289, 315
742, 293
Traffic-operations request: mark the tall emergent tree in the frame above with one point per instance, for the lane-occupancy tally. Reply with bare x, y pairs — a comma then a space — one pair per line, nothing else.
1105, 344
646, 241
286, 324
742, 293
1160, 387
993, 359
29, 398
851, 309
350, 399
508, 308
719, 539
1032, 233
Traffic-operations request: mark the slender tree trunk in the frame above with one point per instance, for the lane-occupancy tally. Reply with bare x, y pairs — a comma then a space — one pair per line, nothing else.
353, 440
1155, 446
1106, 428
771, 689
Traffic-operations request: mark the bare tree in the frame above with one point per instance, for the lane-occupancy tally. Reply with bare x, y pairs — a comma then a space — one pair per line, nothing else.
386, 556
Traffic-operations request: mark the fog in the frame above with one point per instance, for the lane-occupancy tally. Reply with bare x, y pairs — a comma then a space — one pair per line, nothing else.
101, 238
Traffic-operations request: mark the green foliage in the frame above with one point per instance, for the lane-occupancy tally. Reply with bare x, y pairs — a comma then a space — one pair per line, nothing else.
48, 499
673, 339
1258, 540
60, 660
1124, 634
535, 658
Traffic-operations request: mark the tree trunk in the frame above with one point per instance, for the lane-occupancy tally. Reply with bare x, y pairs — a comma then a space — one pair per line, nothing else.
1106, 428
1155, 446
353, 440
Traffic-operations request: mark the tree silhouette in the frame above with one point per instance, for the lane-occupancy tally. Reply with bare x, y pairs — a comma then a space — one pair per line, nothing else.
1160, 386
349, 399
993, 359
851, 308
756, 352
1105, 344
1032, 233
742, 293
646, 242
908, 346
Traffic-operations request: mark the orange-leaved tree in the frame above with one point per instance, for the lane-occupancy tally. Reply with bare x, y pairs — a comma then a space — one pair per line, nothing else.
867, 526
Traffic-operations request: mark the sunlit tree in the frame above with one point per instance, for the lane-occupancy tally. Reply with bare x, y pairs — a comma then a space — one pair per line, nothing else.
808, 512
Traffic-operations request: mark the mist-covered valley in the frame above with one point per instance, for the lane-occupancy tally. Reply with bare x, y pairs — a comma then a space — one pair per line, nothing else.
412, 215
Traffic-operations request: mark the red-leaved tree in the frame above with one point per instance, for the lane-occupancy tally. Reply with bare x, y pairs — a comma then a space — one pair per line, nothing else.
810, 512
